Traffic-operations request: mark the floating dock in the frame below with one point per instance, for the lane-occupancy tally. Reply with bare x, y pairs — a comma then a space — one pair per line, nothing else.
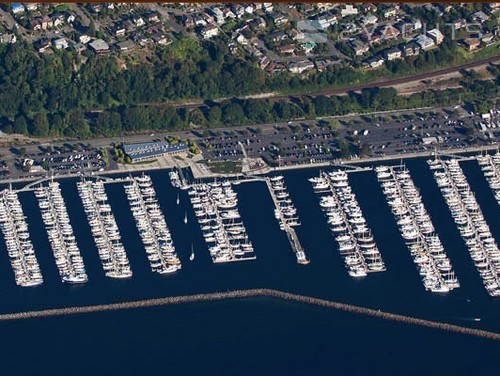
286, 214
417, 229
470, 221
152, 225
19, 247
60, 232
104, 229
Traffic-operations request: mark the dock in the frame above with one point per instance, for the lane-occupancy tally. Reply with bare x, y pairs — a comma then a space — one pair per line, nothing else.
287, 222
151, 225
60, 232
104, 229
19, 247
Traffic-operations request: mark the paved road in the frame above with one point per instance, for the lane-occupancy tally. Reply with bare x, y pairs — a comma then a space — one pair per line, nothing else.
336, 91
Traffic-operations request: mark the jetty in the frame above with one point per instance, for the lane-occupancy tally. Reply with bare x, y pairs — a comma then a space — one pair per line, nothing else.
490, 165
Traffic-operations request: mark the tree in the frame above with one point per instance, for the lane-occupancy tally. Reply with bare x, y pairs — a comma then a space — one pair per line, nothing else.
40, 126
20, 125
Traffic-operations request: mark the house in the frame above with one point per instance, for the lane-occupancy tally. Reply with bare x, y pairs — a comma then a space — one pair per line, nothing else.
324, 21
425, 42
278, 19
277, 36
458, 24
436, 36
375, 61
258, 23
57, 19
349, 10
42, 45
369, 20
125, 45
480, 17
487, 38
359, 47
296, 34
308, 46
31, 6
238, 10
249, 8
388, 32
268, 7
36, 24
228, 13
264, 62
140, 39
410, 49
322, 65
389, 12
84, 39
71, 18
368, 7
161, 39
60, 43
405, 28
188, 22
118, 31
17, 8
99, 46
287, 49
138, 21
152, 17
218, 15
471, 44
300, 66
209, 32
8, 39
392, 54
240, 38
78, 47
95, 7
371, 39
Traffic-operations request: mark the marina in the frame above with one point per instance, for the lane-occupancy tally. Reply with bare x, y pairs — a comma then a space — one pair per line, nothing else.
490, 165
60, 232
151, 225
216, 208
470, 221
286, 214
345, 218
104, 229
17, 239
417, 229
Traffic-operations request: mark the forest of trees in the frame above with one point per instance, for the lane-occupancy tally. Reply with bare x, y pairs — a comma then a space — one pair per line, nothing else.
56, 95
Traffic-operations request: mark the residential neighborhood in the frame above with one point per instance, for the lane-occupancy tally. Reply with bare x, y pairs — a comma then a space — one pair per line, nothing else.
294, 37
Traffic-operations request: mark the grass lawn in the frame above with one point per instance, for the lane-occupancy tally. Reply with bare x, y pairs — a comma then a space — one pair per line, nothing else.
227, 167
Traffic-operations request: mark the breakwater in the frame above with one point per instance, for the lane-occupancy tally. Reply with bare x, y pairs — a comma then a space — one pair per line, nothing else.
252, 293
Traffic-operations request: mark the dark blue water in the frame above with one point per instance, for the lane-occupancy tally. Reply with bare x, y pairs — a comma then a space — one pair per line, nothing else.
288, 337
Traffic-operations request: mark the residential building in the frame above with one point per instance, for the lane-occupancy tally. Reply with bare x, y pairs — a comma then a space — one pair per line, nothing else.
60, 43
425, 42
300, 66
209, 32
393, 53
349, 10
436, 36
99, 46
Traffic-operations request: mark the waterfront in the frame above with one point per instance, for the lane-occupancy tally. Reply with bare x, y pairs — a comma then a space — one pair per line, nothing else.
398, 290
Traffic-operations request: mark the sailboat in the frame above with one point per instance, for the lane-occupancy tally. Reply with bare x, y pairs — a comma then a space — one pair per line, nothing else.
186, 218
191, 257
178, 198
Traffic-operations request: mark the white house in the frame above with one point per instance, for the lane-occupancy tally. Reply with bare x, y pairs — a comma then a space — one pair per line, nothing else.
60, 44
349, 10
425, 42
436, 36
209, 32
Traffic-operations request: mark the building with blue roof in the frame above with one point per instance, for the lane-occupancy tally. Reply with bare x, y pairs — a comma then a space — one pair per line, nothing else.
149, 151
17, 8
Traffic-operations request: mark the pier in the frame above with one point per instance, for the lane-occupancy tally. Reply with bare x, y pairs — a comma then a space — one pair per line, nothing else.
416, 228
104, 229
19, 247
470, 221
60, 232
151, 225
285, 213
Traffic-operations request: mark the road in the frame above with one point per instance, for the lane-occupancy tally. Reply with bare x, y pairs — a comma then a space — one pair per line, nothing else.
336, 91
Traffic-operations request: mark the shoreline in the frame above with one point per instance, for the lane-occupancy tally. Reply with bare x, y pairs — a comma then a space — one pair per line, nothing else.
335, 163
252, 293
